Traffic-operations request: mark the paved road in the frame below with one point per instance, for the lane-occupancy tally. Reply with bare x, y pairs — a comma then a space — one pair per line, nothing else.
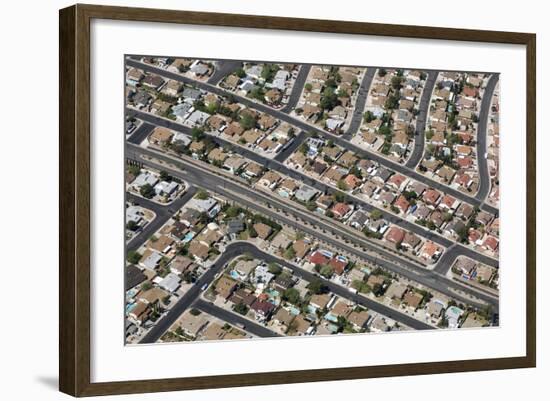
421, 119
223, 69
338, 140
446, 260
163, 214
242, 196
234, 319
141, 133
297, 88
362, 94
484, 179
296, 142
283, 169
339, 290
191, 295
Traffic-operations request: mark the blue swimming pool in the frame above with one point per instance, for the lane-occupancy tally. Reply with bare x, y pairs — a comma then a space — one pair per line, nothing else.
331, 318
294, 310
188, 237
130, 307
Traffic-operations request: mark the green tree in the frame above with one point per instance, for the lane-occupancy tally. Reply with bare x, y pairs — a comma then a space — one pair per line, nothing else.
202, 194
304, 148
329, 99
147, 191
290, 253
132, 225
241, 308
391, 102
197, 133
396, 82
326, 271
339, 196
311, 205
247, 121
212, 108
385, 130
133, 257
274, 268
233, 211
291, 295
342, 186
375, 214
368, 116
316, 286
257, 93
133, 169
252, 232
269, 71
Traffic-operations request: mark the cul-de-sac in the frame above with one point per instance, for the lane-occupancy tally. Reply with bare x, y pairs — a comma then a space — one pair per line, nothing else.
275, 199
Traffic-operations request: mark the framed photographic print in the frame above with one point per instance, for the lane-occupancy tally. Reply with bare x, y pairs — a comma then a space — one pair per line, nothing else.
250, 200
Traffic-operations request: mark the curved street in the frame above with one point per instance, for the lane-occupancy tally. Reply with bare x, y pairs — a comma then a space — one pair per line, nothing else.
240, 248
483, 171
243, 196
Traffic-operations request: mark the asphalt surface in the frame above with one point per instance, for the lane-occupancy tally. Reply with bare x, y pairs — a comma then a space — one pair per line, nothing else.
190, 296
163, 214
141, 133
423, 109
234, 319
339, 290
223, 69
283, 169
362, 95
296, 142
484, 179
446, 261
297, 88
338, 140
242, 196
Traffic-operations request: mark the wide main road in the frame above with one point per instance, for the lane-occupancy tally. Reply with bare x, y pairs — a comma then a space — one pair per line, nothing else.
275, 165
484, 179
423, 109
342, 142
252, 199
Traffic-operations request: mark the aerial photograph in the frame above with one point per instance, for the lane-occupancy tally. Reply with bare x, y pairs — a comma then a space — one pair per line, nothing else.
272, 199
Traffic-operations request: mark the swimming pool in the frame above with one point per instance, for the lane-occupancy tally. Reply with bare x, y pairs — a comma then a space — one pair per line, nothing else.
330, 317
294, 310
188, 237
130, 308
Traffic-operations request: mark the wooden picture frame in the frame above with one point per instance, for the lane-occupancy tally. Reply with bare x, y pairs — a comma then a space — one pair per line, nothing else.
75, 207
